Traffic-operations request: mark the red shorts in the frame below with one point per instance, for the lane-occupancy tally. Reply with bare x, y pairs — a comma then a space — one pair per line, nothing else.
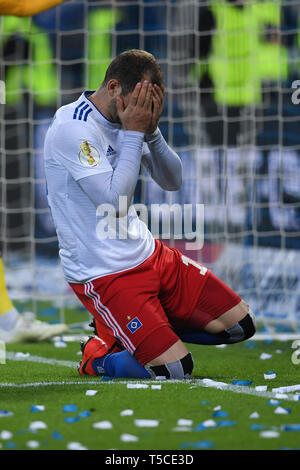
140, 306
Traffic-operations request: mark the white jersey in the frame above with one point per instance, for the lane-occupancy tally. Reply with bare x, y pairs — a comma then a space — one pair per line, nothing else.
79, 143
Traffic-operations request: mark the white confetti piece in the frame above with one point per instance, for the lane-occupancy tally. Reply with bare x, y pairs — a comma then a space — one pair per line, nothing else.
184, 422
5, 435
75, 446
91, 393
103, 425
146, 423
221, 346
269, 434
156, 387
261, 388
126, 413
22, 355
287, 389
60, 344
270, 375
281, 395
265, 356
254, 415
33, 444
217, 408
214, 383
137, 386
280, 411
209, 423
38, 425
128, 438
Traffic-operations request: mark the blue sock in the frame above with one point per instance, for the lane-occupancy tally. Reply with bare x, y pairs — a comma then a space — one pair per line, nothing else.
188, 335
120, 365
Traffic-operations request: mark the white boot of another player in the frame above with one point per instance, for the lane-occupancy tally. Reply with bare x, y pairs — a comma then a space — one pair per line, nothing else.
26, 329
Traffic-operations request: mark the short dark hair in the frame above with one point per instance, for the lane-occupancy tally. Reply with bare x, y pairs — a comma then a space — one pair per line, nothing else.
129, 67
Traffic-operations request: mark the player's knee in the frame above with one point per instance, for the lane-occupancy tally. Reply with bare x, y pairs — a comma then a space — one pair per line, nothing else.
180, 369
242, 330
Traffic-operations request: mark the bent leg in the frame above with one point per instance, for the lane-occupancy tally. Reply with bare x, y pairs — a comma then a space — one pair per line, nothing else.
220, 317
175, 362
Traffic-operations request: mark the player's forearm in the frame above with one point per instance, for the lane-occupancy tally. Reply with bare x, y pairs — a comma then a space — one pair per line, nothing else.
26, 7
163, 163
125, 176
108, 188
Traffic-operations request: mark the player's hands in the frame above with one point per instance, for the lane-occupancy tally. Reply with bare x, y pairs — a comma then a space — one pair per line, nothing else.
137, 115
157, 107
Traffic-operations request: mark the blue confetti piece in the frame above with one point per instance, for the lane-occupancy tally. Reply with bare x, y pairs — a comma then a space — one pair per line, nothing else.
204, 402
69, 408
274, 402
56, 435
226, 423
84, 414
241, 382
106, 378
72, 419
197, 445
35, 409
220, 414
250, 344
203, 445
291, 427
10, 445
200, 427
4, 413
257, 427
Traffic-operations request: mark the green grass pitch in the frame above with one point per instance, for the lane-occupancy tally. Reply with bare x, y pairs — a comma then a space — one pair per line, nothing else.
216, 419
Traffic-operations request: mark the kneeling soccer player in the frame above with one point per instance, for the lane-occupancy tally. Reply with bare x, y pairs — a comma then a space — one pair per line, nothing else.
146, 299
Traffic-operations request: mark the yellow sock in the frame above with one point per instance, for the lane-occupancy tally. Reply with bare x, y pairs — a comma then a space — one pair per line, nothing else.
5, 303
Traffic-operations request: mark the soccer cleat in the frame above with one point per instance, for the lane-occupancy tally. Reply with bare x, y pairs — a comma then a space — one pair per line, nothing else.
113, 344
92, 349
29, 330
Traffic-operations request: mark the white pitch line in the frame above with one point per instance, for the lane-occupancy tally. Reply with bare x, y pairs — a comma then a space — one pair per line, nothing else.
44, 360
48, 384
194, 383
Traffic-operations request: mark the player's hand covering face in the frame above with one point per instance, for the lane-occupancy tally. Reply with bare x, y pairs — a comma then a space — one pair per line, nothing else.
143, 109
157, 107
137, 114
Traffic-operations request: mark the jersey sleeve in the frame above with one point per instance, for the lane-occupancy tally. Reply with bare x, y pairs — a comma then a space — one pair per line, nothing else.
79, 149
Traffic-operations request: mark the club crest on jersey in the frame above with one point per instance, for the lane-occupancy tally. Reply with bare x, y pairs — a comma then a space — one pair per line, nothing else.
88, 155
134, 325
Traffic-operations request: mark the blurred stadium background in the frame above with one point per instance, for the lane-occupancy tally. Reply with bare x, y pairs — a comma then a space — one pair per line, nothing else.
231, 112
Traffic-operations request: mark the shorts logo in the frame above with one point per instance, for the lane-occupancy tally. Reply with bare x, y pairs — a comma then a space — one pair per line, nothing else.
134, 325
88, 155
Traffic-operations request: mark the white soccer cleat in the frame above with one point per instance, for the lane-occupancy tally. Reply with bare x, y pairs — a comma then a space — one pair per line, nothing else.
29, 330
